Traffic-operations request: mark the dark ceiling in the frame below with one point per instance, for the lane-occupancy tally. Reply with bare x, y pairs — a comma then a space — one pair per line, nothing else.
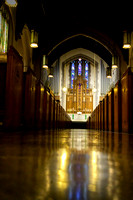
57, 20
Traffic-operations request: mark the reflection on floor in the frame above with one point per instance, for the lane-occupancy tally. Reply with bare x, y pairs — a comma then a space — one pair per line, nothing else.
66, 164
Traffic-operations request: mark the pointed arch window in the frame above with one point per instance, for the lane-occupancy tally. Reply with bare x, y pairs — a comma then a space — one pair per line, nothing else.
79, 67
87, 73
72, 73
3, 34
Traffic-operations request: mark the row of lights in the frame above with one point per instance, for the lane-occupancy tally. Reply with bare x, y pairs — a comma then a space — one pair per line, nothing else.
45, 66
34, 44
34, 35
115, 59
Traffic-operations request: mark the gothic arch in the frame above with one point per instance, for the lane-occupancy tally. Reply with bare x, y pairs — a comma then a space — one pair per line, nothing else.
92, 40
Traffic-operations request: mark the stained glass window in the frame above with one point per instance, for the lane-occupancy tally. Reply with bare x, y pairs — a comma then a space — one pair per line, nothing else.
72, 73
87, 73
3, 34
79, 67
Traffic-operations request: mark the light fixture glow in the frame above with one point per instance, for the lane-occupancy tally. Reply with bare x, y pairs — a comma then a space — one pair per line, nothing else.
64, 89
51, 73
108, 72
34, 39
114, 66
45, 66
94, 90
126, 46
11, 3
34, 45
114, 62
45, 62
126, 40
109, 76
50, 76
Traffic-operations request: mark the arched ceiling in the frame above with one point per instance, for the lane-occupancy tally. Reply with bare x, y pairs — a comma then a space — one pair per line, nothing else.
57, 20
80, 41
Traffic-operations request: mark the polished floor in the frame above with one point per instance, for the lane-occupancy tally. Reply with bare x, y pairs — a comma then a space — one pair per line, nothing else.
75, 164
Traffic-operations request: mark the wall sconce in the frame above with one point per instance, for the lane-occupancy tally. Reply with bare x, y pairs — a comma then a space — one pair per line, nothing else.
34, 39
11, 3
108, 72
45, 62
51, 73
114, 62
126, 40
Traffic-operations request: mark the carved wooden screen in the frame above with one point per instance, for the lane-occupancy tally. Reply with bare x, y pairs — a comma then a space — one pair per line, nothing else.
79, 99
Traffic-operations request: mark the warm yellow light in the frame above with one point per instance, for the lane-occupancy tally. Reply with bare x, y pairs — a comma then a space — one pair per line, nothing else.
42, 89
50, 76
94, 89
126, 40
45, 62
11, 3
63, 159
34, 39
126, 46
114, 66
109, 72
109, 76
115, 61
45, 66
34, 45
51, 72
94, 168
94, 157
64, 89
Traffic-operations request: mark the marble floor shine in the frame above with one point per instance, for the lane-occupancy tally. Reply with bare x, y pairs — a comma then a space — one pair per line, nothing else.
72, 164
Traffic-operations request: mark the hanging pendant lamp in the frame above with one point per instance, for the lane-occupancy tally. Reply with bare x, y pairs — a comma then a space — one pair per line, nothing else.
114, 62
108, 72
51, 73
126, 40
45, 62
34, 39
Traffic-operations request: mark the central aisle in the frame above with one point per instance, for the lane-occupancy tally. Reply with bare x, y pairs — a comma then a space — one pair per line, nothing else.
66, 164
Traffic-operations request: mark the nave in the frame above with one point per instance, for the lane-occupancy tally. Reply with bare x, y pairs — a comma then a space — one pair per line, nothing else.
66, 164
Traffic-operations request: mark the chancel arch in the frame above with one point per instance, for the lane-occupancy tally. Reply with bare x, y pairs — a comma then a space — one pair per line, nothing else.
90, 47
83, 72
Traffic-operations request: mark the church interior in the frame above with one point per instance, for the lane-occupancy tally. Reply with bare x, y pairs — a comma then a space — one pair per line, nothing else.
66, 91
